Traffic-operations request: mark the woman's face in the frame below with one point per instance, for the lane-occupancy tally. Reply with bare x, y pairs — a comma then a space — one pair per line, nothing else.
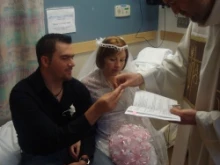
114, 63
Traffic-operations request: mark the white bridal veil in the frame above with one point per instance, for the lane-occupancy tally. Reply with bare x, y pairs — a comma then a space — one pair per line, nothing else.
110, 122
90, 64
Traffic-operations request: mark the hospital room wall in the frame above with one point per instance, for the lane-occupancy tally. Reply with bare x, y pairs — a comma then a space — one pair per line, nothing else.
135, 48
80, 59
167, 15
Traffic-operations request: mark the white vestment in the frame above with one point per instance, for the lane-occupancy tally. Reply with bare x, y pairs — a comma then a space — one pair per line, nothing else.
110, 122
194, 73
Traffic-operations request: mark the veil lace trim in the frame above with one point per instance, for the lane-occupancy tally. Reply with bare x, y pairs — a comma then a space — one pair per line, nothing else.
100, 43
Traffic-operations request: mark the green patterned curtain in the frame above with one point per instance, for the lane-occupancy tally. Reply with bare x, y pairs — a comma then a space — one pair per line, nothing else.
21, 25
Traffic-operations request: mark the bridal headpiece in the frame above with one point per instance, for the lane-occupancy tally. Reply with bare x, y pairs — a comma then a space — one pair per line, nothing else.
100, 43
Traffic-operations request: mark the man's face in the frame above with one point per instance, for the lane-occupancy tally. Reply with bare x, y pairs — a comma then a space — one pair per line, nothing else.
62, 62
196, 10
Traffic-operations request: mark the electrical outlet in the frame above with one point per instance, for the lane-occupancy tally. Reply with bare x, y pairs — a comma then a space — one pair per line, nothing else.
182, 22
122, 10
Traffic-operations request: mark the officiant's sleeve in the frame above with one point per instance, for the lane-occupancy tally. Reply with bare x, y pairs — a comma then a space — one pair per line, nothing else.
168, 79
208, 124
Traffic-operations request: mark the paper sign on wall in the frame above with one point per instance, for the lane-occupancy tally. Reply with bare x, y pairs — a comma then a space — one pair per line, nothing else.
61, 20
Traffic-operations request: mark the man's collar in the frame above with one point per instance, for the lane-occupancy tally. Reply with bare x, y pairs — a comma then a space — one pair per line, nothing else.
37, 81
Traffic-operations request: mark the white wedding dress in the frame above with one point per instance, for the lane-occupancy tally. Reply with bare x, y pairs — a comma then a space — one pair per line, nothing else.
110, 122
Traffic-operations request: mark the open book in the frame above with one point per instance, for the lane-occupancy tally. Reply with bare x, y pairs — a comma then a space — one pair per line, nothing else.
151, 105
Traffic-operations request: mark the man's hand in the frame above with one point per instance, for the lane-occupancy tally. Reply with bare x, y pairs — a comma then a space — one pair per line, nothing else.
108, 101
78, 163
75, 149
104, 104
188, 116
129, 79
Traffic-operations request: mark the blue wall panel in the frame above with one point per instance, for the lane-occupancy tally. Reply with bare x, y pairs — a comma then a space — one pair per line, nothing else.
95, 18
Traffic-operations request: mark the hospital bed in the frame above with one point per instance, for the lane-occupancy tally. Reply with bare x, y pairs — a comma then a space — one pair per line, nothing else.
146, 59
9, 148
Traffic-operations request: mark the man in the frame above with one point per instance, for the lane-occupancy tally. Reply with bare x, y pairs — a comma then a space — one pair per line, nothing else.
51, 110
194, 72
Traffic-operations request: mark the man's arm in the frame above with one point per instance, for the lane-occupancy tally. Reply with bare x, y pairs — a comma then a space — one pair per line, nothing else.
84, 148
38, 134
168, 79
88, 144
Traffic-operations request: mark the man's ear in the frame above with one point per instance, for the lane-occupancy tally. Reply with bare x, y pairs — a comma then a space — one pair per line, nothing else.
45, 61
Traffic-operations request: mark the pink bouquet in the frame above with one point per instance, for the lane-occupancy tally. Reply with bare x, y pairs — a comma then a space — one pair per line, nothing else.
130, 145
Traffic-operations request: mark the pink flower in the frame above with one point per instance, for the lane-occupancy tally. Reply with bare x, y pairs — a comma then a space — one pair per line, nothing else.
130, 145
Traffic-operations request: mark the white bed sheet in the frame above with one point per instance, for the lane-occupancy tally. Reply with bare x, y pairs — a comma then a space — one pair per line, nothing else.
147, 59
9, 148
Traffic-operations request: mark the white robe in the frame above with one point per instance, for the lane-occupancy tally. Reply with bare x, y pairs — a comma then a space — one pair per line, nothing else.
194, 73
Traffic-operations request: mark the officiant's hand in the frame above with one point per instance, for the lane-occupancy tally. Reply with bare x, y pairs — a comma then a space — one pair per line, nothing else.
129, 79
187, 116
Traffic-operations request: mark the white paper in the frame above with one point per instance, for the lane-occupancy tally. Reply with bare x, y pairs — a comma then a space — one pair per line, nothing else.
152, 105
61, 20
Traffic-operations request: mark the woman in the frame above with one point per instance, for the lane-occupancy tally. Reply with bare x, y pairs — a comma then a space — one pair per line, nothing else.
111, 59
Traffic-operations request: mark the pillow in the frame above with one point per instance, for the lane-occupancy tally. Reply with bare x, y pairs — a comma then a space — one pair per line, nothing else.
9, 148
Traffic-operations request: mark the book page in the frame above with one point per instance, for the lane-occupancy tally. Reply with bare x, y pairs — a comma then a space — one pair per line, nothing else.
153, 106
